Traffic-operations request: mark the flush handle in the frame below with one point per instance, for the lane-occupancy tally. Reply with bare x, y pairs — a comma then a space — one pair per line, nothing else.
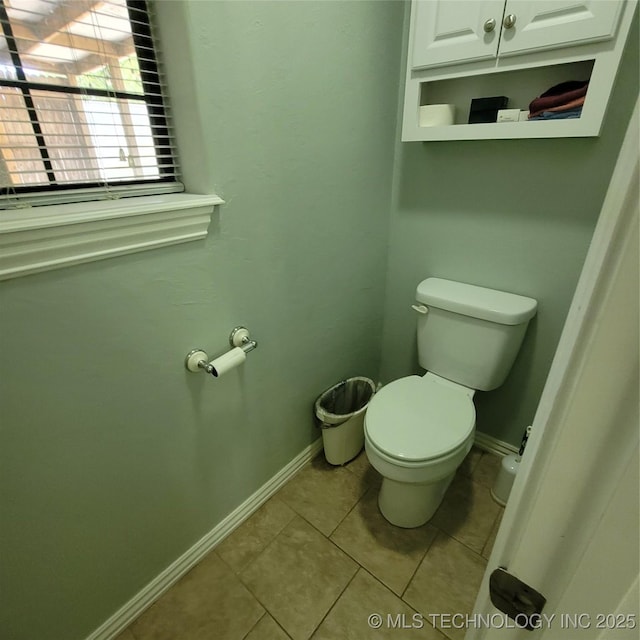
420, 308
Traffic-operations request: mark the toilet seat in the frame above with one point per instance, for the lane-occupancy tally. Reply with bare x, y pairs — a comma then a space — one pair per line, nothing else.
418, 419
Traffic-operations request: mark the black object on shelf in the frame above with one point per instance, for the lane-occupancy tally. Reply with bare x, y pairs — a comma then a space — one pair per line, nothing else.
486, 109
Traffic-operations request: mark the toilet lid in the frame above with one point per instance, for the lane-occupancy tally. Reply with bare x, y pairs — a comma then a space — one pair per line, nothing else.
418, 418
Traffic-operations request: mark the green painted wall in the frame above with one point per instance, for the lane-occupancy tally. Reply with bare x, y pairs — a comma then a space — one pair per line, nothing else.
516, 215
115, 460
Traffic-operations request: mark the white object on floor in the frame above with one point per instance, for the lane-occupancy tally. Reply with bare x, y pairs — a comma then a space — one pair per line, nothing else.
504, 481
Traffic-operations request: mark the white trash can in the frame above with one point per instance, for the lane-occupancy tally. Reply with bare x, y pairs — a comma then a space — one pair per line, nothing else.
340, 411
504, 480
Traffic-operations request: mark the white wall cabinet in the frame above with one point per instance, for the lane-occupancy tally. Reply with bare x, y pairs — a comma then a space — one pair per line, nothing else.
545, 24
448, 32
464, 49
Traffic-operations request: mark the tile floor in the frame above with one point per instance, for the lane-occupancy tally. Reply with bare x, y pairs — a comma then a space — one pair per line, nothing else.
318, 559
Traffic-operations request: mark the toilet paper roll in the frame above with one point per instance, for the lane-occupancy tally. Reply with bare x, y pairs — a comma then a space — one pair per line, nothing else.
437, 115
228, 361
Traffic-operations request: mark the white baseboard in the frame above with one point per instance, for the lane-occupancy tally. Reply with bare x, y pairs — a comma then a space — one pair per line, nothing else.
493, 445
122, 618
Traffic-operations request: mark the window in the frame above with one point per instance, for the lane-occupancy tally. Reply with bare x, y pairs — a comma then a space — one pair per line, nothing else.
83, 123
82, 114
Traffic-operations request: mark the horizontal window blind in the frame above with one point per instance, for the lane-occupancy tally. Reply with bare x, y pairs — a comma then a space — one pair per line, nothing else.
83, 109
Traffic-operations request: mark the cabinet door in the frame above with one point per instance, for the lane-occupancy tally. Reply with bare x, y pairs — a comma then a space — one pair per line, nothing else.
452, 31
549, 24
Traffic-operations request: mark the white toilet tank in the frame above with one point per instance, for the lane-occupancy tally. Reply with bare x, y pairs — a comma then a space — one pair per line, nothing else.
470, 335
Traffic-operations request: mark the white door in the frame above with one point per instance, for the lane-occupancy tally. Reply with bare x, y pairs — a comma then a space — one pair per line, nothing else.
549, 24
570, 529
453, 31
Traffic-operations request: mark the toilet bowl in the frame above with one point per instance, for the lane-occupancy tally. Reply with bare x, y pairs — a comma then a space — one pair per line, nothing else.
418, 430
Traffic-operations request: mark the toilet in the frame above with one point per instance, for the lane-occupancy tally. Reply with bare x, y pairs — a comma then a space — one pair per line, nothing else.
418, 429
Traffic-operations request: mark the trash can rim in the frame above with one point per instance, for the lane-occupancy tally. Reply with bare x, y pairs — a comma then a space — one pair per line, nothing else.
330, 420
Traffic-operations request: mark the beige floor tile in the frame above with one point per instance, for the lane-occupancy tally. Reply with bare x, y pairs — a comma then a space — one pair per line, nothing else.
364, 597
446, 582
487, 469
322, 494
470, 462
362, 469
208, 602
467, 512
267, 629
253, 535
488, 547
299, 577
125, 635
390, 553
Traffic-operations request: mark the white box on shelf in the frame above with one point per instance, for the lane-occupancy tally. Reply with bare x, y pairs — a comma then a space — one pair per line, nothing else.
508, 115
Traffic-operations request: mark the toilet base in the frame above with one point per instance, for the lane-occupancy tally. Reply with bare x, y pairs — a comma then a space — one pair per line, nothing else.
410, 505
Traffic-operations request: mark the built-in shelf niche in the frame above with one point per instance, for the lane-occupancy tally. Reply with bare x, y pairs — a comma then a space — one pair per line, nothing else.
520, 86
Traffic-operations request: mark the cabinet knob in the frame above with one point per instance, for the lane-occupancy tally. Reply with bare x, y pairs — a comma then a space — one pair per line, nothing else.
509, 21
489, 25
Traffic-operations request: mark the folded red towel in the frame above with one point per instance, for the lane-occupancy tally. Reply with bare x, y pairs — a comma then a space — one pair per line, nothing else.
549, 100
578, 102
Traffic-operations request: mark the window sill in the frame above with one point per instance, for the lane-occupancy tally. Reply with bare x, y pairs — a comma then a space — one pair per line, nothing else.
44, 238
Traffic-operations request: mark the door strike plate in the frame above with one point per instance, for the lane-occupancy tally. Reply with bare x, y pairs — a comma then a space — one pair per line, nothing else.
515, 598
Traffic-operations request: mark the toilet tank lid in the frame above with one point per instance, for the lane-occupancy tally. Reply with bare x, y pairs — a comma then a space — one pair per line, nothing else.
476, 302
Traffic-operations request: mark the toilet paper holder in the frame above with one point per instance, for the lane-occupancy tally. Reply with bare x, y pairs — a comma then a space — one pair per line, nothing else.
197, 359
